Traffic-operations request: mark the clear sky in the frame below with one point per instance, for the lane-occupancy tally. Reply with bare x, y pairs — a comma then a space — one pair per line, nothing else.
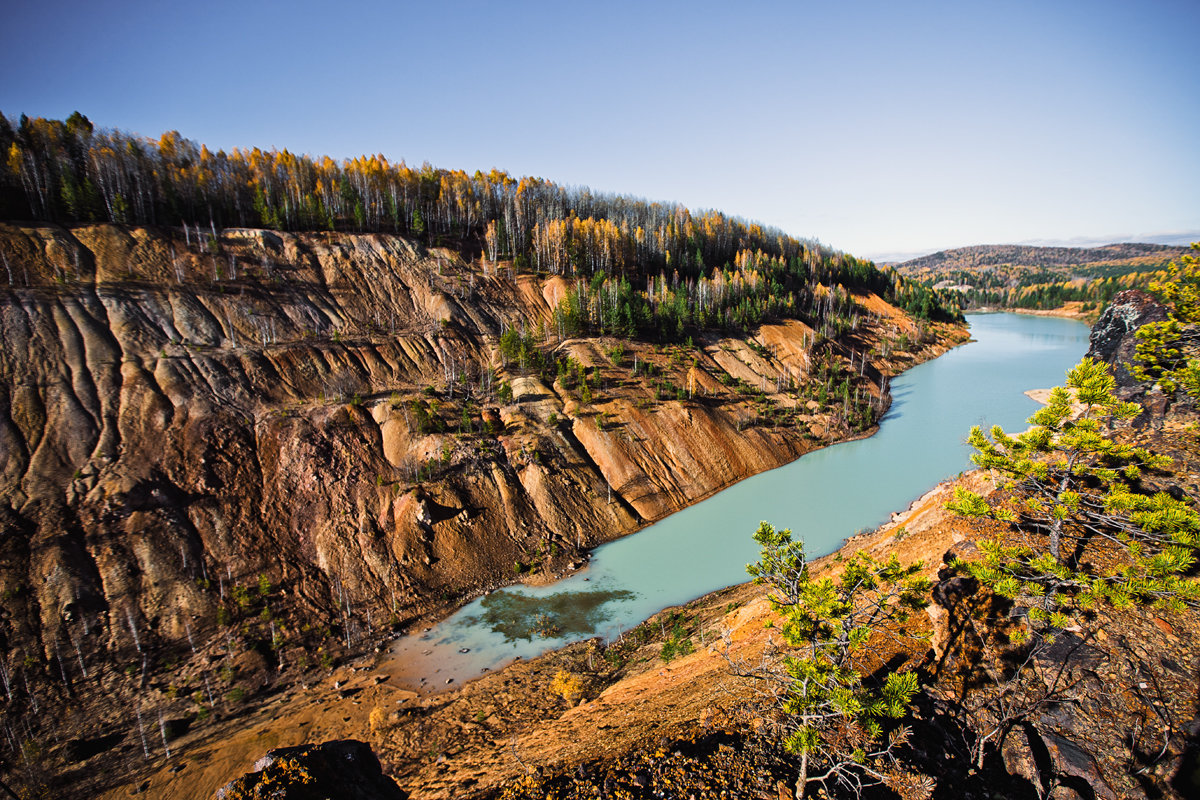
877, 127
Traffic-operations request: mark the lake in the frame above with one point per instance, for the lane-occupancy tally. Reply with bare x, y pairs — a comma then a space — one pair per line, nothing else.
824, 497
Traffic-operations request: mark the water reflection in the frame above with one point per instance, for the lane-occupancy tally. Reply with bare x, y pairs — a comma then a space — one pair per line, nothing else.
566, 614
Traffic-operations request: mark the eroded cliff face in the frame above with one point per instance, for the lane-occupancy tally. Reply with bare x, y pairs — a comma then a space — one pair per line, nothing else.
246, 450
170, 430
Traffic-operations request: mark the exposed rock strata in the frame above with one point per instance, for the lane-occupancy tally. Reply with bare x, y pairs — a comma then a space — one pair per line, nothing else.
212, 456
663, 727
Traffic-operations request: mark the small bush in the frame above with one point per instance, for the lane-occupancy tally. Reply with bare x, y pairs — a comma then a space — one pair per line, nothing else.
568, 686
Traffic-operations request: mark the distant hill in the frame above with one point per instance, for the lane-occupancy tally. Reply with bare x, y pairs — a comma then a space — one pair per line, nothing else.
1021, 276
1077, 261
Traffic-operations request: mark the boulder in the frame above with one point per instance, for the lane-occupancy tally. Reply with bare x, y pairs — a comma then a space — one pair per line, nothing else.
1049, 760
1114, 336
346, 769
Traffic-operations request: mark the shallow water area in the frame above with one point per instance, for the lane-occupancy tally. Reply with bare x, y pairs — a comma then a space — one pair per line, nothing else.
824, 497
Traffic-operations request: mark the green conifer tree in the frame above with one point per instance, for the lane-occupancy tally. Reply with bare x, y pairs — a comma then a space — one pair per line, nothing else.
1167, 350
827, 713
1071, 485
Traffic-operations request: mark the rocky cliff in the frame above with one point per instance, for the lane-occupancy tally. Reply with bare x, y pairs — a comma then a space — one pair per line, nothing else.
1114, 336
231, 458
646, 720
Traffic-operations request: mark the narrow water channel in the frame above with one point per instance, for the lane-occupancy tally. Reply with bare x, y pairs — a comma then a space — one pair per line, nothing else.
824, 497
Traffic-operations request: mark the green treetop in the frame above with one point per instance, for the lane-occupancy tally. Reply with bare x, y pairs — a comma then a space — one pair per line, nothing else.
1071, 483
826, 713
1166, 351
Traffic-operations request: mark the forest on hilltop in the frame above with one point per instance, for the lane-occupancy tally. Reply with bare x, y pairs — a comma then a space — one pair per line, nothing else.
703, 269
1097, 261
1017, 276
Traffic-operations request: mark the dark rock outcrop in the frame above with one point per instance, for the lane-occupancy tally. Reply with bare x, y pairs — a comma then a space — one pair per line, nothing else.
1053, 763
346, 769
1114, 336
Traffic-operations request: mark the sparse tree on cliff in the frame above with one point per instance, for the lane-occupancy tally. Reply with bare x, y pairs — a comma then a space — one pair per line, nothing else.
1070, 484
1167, 350
1085, 528
68, 171
823, 709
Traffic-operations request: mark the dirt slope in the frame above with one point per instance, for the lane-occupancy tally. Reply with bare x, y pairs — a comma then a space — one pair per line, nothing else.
230, 462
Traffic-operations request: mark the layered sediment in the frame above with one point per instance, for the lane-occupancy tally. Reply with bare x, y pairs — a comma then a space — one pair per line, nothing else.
229, 461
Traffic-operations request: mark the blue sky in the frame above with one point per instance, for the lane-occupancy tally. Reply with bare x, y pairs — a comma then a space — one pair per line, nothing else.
876, 127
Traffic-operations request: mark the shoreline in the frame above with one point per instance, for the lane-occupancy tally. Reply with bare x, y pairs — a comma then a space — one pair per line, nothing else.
1062, 312
330, 703
412, 642
408, 679
953, 336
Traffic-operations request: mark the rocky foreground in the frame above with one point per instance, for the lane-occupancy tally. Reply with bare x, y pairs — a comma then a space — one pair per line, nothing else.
232, 462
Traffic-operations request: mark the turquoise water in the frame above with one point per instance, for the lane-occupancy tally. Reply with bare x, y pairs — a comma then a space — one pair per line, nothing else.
824, 497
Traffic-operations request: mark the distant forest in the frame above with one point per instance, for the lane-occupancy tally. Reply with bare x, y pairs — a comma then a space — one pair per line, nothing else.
1046, 293
1015, 276
704, 269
